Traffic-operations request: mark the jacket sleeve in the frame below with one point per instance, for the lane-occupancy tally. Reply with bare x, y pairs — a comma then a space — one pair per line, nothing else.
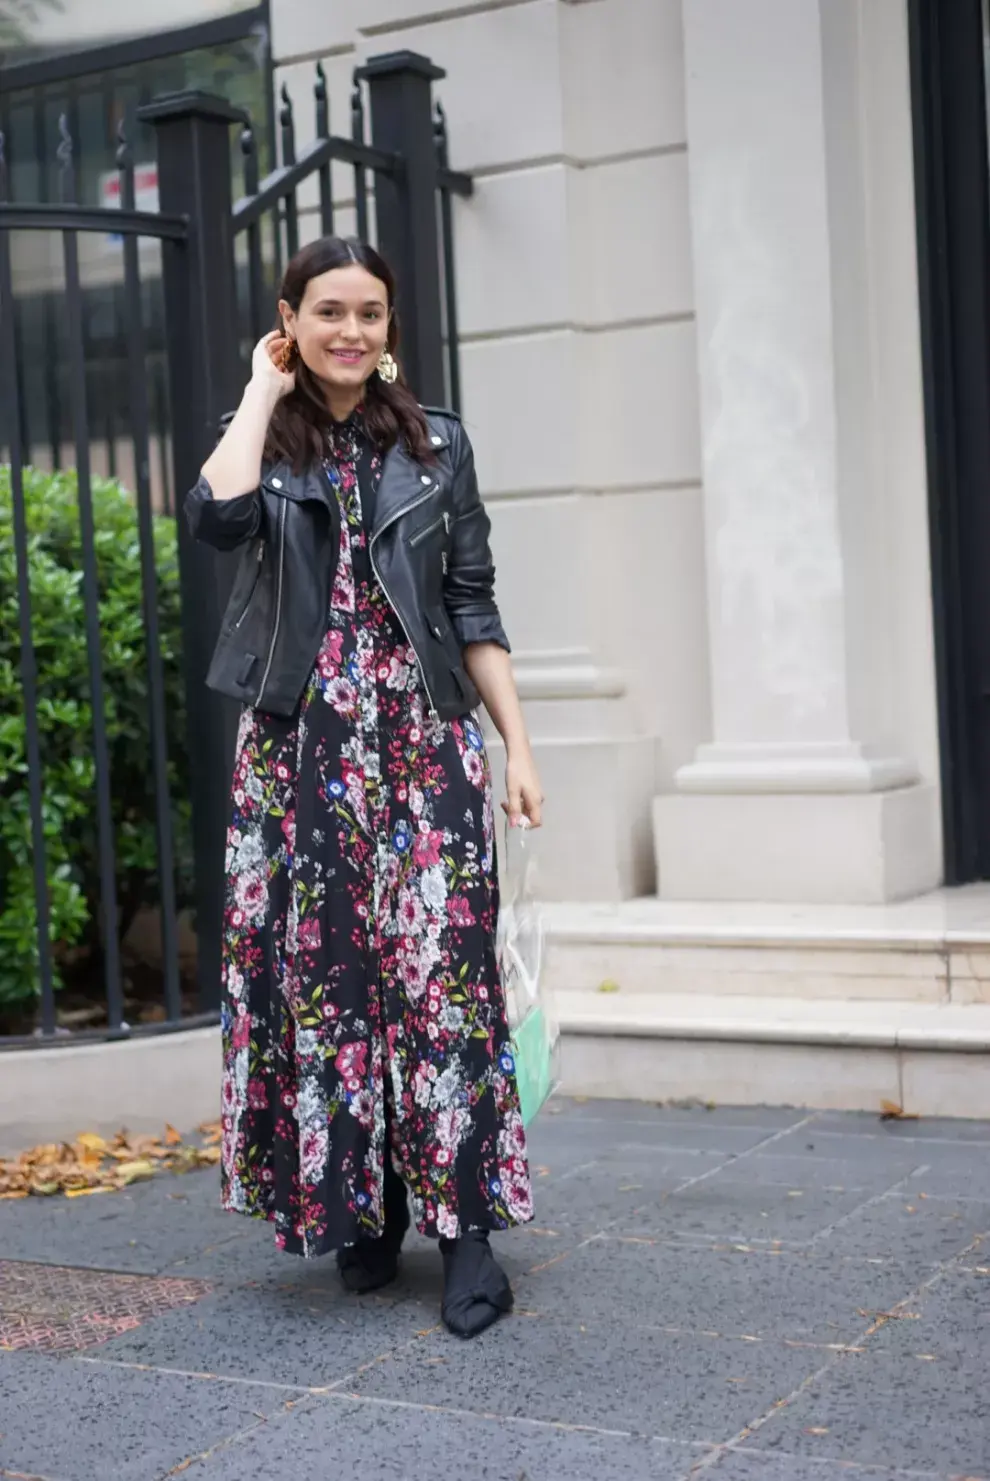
469, 585
224, 523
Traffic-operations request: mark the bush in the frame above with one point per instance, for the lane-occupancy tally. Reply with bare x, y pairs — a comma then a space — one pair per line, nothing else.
65, 721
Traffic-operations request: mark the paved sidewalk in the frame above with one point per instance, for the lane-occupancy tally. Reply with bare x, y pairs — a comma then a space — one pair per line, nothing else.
742, 1295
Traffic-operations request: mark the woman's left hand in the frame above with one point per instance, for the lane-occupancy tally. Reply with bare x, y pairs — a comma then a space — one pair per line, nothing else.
522, 789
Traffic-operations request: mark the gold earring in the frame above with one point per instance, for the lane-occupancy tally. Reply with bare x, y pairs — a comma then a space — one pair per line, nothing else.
387, 367
289, 356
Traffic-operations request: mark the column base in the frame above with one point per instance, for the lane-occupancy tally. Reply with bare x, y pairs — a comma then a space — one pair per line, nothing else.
860, 848
596, 844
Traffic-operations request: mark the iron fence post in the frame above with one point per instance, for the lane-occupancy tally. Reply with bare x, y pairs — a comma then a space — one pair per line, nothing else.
205, 380
400, 85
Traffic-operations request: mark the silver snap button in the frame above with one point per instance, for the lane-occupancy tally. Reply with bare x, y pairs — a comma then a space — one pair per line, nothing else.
436, 441
426, 478
276, 483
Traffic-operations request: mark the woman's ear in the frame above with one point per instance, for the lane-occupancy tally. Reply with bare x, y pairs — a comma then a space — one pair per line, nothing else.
288, 317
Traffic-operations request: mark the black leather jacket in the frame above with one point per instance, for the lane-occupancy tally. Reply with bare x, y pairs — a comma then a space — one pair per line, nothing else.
429, 549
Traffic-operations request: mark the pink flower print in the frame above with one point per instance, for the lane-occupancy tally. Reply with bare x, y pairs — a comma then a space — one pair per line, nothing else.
313, 1153
228, 1095
342, 695
334, 645
309, 935
289, 828
257, 1095
460, 912
397, 673
474, 768
251, 894
410, 913
426, 848
241, 1031
352, 1060
413, 977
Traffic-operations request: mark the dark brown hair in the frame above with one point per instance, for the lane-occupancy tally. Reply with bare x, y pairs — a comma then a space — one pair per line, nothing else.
297, 431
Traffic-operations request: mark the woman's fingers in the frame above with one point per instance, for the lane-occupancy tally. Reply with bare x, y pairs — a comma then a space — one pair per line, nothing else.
532, 806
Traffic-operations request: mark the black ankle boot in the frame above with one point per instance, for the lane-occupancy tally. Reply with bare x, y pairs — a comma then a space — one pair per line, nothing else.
373, 1263
476, 1289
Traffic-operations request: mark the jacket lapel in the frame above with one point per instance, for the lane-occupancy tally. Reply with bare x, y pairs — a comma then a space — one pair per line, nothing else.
312, 484
404, 482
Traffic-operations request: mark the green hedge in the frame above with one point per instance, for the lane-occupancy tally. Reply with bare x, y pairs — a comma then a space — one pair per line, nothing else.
59, 640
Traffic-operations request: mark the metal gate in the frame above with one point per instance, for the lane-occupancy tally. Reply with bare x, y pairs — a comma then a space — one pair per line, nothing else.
90, 568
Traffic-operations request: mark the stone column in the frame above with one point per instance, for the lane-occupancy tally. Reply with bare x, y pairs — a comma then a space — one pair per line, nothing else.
808, 788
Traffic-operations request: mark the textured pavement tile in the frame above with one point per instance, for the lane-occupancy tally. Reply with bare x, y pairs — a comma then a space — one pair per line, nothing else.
911, 1229
953, 1324
81, 1421
142, 1229
306, 1337
727, 1207
404, 1443
814, 1170
651, 1136
802, 1298
879, 1409
595, 1194
608, 1376
772, 1118
736, 1465
867, 1123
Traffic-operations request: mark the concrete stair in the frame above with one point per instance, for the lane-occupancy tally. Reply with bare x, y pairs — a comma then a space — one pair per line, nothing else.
830, 1007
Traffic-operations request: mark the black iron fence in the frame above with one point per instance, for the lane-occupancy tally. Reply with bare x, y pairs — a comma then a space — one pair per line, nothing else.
114, 757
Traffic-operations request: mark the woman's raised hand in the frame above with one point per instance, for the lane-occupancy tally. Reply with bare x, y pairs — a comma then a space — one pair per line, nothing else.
265, 365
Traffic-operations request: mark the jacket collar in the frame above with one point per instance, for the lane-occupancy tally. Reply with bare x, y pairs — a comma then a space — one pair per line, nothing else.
312, 483
404, 482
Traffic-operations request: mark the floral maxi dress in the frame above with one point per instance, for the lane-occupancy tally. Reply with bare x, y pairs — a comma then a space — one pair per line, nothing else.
359, 964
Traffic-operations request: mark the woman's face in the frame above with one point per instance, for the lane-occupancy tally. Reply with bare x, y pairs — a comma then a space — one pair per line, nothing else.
342, 325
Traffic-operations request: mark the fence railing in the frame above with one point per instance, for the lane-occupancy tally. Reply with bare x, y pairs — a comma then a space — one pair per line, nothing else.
95, 862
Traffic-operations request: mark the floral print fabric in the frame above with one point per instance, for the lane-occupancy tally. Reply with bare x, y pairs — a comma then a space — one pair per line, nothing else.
359, 942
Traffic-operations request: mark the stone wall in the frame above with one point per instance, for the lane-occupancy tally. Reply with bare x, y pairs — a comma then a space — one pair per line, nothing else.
580, 380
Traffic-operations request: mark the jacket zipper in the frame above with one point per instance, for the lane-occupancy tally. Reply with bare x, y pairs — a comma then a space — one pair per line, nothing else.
407, 509
278, 599
254, 584
421, 535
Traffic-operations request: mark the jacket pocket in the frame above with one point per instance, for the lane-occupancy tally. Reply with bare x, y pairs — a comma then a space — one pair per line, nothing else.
442, 522
255, 578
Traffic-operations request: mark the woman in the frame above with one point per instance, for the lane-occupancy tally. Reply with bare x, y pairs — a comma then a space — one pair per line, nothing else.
366, 1051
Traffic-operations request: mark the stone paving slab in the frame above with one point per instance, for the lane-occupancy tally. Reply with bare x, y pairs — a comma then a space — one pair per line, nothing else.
387, 1442
743, 1465
875, 1408
72, 1420
684, 1387
661, 1334
743, 1295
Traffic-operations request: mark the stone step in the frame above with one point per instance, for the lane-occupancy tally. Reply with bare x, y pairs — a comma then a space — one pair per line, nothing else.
933, 950
925, 1058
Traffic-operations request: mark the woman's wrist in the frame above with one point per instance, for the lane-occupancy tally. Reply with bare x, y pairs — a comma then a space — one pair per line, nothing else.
261, 396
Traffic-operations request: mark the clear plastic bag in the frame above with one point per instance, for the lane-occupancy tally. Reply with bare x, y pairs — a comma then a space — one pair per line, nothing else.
521, 956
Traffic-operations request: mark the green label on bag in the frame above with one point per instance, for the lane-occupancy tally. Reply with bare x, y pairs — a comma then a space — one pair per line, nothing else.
534, 1069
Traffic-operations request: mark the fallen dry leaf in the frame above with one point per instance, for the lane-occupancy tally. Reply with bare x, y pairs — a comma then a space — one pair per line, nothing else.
891, 1111
96, 1164
608, 986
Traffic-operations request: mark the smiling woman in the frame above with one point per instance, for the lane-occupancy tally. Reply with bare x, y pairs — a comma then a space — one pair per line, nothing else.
366, 1050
